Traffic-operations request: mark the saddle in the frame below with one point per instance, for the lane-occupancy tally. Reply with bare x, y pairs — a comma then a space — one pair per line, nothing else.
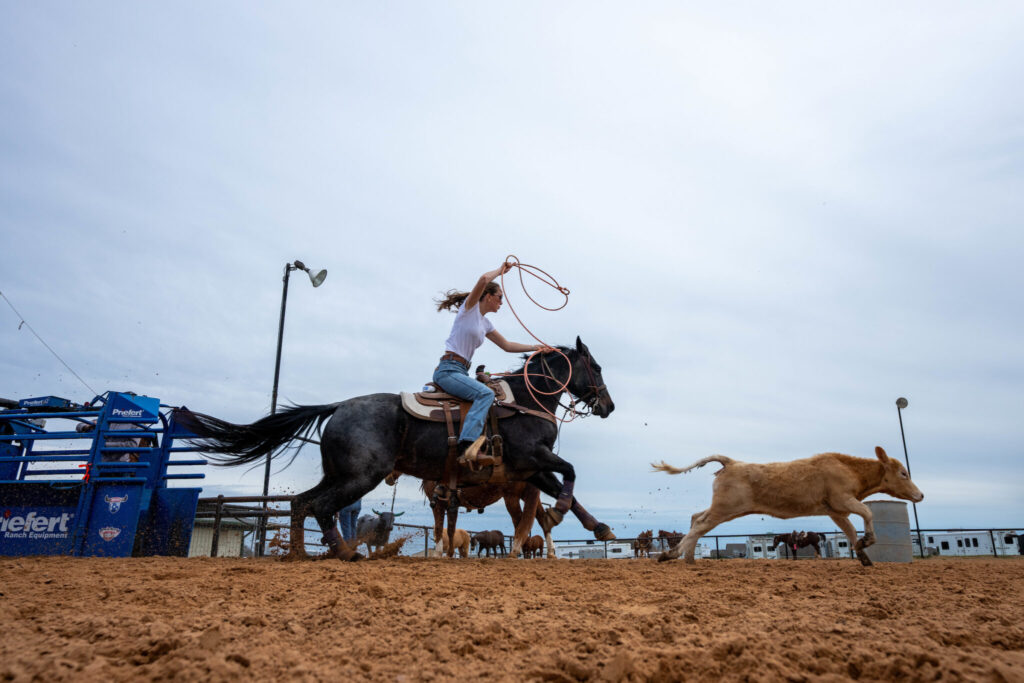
435, 405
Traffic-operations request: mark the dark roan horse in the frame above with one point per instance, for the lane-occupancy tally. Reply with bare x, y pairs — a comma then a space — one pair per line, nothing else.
367, 437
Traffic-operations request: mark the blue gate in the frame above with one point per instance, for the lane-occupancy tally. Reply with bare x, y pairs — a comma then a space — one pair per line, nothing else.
96, 485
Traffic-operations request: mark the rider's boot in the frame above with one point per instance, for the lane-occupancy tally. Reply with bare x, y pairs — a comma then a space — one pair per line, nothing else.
472, 456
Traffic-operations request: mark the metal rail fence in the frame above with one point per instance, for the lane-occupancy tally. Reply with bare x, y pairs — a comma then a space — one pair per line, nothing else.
1002, 542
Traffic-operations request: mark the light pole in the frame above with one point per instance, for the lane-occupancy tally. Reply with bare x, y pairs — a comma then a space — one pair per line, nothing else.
902, 403
317, 278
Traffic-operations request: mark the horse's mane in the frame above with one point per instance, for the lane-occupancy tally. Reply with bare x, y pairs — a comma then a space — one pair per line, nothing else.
550, 355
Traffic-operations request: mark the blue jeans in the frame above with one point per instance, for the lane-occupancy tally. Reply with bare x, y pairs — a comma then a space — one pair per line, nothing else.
347, 517
453, 378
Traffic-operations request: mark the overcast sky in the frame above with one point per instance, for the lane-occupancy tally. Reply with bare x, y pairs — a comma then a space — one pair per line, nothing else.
774, 220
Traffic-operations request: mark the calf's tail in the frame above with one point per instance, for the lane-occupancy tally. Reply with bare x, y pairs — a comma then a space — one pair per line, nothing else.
668, 469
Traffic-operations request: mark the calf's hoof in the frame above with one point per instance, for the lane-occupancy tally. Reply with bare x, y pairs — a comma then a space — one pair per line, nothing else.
603, 532
664, 557
864, 559
553, 516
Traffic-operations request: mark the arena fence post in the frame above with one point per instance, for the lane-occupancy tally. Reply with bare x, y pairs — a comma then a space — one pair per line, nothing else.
718, 553
215, 542
991, 537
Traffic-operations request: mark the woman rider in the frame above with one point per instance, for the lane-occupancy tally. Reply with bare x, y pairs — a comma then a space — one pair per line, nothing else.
468, 332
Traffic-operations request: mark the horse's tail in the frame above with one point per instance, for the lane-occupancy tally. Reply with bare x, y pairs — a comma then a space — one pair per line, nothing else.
665, 467
230, 444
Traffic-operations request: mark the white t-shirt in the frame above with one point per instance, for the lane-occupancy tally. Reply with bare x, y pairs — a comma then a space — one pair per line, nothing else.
468, 332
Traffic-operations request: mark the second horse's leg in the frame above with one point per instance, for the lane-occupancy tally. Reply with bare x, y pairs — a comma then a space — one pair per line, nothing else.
547, 483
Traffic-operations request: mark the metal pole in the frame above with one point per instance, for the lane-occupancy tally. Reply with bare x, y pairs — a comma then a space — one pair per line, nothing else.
273, 406
215, 542
901, 403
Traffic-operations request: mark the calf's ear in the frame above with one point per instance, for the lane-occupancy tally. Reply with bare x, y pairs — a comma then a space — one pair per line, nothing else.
880, 454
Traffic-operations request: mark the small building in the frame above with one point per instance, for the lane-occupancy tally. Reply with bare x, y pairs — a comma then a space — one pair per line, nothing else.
230, 543
759, 548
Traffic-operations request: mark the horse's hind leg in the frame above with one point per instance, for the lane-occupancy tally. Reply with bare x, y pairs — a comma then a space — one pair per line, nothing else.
300, 508
453, 518
340, 493
522, 518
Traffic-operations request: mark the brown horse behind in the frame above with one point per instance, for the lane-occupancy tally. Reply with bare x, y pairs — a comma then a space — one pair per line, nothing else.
642, 544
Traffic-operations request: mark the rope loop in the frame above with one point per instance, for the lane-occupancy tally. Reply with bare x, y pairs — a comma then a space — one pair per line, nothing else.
547, 279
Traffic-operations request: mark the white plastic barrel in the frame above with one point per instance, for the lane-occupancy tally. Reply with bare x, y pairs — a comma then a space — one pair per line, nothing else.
892, 532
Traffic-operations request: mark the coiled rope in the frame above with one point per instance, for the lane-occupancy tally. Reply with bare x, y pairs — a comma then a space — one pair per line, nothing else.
546, 279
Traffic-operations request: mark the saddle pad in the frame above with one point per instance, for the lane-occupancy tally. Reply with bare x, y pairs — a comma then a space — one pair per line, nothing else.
413, 406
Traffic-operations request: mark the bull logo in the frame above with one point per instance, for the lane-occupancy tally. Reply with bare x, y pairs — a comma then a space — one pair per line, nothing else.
115, 502
109, 533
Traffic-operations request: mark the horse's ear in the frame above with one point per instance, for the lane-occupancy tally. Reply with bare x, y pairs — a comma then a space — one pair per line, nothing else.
581, 347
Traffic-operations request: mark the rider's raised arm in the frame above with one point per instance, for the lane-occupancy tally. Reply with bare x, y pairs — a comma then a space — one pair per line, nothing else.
478, 289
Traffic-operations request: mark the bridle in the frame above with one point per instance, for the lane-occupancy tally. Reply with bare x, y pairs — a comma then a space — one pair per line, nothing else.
589, 400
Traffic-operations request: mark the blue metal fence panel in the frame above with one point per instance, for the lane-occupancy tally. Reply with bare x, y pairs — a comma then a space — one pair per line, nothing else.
115, 508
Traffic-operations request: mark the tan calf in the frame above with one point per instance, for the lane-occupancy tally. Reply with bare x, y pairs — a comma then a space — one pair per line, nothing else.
830, 484
460, 543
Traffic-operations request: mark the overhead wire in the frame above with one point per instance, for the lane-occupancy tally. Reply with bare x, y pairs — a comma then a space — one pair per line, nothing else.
43, 342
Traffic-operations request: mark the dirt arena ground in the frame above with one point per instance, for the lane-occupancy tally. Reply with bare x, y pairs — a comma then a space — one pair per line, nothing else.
410, 619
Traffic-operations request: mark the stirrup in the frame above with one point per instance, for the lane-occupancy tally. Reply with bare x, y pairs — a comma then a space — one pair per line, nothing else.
472, 456
441, 494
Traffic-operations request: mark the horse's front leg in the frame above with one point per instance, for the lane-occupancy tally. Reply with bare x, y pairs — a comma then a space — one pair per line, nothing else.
547, 483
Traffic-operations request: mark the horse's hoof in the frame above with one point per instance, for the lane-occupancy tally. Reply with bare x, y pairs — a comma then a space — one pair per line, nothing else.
603, 532
554, 517
351, 557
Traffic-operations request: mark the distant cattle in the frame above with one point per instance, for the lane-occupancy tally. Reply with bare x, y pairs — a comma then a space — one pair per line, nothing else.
830, 484
488, 541
533, 547
374, 530
461, 543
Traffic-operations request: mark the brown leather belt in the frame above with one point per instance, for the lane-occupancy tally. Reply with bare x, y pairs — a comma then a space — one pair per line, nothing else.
457, 358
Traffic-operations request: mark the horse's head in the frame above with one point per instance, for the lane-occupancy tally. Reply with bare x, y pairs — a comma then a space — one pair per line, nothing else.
586, 383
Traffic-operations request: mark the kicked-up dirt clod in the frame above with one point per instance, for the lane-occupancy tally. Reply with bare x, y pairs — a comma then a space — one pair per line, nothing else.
406, 619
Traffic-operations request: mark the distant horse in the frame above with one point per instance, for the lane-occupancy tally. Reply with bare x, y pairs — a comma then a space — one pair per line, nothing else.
668, 539
794, 541
642, 544
367, 437
534, 547
487, 541
789, 541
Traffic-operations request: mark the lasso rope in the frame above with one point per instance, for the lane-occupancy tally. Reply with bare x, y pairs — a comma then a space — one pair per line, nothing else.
547, 279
